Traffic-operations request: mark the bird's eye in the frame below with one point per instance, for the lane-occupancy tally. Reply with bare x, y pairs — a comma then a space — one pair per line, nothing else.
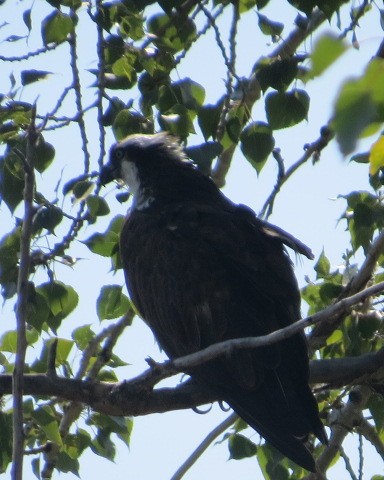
119, 154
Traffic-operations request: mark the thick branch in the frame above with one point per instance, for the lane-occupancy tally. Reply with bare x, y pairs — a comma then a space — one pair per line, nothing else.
134, 398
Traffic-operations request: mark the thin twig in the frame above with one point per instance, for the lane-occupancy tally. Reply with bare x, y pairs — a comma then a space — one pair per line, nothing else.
208, 440
78, 98
369, 432
22, 303
312, 149
100, 89
347, 462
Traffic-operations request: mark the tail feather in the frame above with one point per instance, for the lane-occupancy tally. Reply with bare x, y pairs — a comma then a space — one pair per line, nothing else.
283, 413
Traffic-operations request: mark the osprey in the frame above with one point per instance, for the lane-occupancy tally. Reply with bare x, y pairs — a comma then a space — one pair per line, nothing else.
200, 270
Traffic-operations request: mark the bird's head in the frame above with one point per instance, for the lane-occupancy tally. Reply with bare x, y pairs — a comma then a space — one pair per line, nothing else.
154, 166
140, 159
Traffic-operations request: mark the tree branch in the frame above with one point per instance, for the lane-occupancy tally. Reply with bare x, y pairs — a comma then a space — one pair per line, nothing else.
312, 149
208, 440
22, 303
342, 422
286, 49
134, 398
321, 332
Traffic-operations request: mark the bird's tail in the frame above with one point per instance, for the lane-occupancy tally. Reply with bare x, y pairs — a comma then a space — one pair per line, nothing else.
283, 426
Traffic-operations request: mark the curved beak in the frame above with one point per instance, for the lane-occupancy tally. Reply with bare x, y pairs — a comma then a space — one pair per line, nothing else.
107, 174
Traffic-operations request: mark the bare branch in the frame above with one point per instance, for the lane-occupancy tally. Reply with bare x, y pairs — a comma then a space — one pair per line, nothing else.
311, 149
208, 440
342, 422
370, 433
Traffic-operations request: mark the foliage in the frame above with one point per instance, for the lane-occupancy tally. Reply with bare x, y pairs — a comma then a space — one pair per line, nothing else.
138, 48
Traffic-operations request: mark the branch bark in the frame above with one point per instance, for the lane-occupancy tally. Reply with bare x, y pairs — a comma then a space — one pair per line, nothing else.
321, 332
137, 398
342, 422
22, 303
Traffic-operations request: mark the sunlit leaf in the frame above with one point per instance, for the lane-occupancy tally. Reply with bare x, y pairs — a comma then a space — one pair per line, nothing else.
326, 51
56, 27
376, 156
46, 418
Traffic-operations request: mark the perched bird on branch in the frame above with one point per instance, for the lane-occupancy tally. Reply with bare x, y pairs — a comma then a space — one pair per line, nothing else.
201, 270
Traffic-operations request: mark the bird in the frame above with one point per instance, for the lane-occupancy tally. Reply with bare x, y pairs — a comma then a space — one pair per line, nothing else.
200, 270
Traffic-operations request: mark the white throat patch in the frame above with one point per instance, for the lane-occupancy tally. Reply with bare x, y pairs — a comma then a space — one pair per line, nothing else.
130, 175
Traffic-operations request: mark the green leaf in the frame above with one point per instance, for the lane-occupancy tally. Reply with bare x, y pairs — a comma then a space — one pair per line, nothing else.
46, 418
177, 122
5, 440
359, 105
329, 291
56, 27
66, 464
128, 122
27, 19
208, 119
11, 186
335, 337
369, 324
44, 155
240, 447
111, 303
192, 93
185, 92
82, 336
276, 73
285, 109
376, 407
326, 51
97, 206
9, 262
360, 158
63, 349
35, 464
171, 35
322, 266
62, 300
8, 341
115, 106
269, 27
257, 143
75, 444
81, 190
204, 154
47, 217
123, 67
31, 76
376, 156
102, 445
38, 308
105, 244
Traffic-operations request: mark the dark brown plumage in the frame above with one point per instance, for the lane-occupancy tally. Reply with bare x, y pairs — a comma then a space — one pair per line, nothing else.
201, 270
